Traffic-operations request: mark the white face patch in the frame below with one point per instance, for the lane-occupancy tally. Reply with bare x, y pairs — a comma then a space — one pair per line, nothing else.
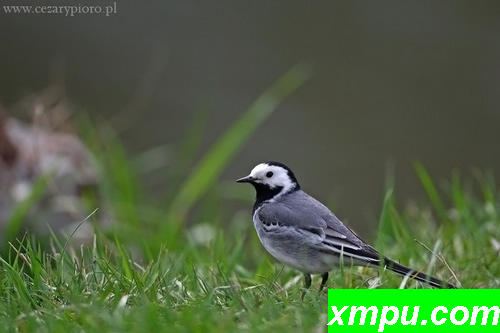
278, 176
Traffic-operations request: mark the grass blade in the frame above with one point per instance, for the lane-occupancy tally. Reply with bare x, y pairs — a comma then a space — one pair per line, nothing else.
15, 222
431, 191
212, 164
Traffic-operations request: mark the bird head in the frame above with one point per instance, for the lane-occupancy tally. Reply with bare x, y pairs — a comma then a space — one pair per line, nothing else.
273, 177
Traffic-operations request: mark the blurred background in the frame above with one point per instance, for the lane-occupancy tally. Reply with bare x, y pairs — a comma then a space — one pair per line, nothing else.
393, 83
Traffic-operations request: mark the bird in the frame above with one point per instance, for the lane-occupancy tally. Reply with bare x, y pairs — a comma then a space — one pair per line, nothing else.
301, 232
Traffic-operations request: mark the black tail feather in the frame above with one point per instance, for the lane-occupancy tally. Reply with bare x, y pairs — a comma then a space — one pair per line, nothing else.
416, 275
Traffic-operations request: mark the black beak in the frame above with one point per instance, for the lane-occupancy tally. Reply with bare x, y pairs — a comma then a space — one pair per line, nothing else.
247, 179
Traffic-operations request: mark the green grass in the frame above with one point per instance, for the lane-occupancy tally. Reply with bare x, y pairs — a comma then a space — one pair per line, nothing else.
183, 263
225, 281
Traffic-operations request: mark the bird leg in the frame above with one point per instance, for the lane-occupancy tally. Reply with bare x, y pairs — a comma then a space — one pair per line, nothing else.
307, 284
324, 278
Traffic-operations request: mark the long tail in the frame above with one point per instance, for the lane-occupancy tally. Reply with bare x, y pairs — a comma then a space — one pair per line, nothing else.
416, 275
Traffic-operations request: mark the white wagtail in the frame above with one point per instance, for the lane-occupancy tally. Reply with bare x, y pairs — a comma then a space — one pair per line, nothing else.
301, 232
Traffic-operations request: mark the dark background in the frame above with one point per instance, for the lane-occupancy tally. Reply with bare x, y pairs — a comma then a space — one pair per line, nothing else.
394, 82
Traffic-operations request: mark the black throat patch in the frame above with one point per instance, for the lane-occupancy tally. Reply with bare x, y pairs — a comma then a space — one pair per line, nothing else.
263, 193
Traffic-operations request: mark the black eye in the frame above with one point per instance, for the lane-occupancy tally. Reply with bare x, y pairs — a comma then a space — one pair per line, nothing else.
269, 174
